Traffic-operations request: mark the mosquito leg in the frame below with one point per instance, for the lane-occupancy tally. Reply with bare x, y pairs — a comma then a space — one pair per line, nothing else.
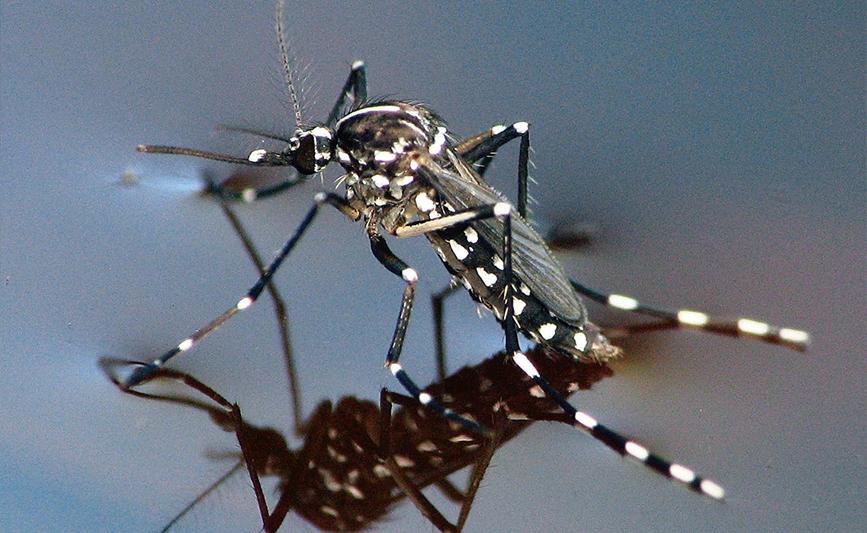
398, 267
141, 373
610, 438
481, 149
355, 89
617, 442
684, 318
279, 309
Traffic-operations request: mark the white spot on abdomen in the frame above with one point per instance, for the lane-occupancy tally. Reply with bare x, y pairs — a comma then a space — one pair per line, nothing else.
424, 203
460, 252
487, 278
471, 235
547, 331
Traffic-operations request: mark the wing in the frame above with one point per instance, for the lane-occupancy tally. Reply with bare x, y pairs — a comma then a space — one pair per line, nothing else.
532, 261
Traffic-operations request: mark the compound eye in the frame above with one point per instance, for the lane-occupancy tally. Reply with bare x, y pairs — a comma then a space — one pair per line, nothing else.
311, 151
304, 155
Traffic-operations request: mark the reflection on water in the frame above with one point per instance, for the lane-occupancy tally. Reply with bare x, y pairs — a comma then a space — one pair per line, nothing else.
359, 458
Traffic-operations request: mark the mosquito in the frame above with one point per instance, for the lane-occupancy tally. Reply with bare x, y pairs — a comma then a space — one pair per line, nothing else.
406, 175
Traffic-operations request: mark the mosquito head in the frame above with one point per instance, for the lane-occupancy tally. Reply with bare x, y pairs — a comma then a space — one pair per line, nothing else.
311, 150
308, 151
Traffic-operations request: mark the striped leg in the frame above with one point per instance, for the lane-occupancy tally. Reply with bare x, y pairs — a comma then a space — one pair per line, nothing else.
276, 299
355, 90
142, 373
616, 441
398, 267
481, 149
792, 338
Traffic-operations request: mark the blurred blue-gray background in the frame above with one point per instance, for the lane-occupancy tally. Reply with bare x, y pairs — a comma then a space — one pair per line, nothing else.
717, 149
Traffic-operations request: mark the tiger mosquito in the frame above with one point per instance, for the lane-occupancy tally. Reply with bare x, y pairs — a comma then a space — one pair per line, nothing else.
403, 175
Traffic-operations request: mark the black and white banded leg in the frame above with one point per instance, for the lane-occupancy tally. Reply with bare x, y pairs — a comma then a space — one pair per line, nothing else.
212, 187
141, 373
384, 255
684, 318
617, 442
480, 150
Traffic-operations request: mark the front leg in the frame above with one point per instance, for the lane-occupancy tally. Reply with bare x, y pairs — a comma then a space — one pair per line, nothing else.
142, 373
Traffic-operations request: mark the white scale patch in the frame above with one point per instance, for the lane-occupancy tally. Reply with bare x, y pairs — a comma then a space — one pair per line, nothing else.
257, 155
752, 327
712, 489
547, 331
384, 157
403, 181
524, 364
423, 201
439, 141
498, 262
487, 278
518, 306
471, 235
636, 450
622, 302
380, 181
400, 145
580, 341
404, 461
681, 473
426, 446
585, 420
460, 252
692, 318
794, 335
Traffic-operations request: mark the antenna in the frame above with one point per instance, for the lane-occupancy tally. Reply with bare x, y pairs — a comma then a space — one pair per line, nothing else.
287, 66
